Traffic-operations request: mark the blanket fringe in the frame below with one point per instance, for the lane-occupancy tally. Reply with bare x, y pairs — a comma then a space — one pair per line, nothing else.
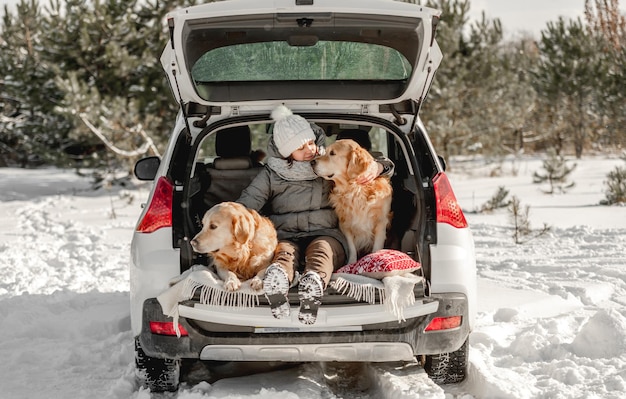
214, 296
358, 291
399, 292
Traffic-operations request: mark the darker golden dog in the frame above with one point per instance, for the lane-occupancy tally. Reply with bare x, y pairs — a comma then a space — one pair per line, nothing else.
364, 210
241, 242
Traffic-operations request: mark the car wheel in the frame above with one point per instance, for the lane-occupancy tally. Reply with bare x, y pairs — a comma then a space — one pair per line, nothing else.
448, 368
158, 375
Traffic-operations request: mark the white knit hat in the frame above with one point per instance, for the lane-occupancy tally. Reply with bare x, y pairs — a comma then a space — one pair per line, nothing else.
290, 131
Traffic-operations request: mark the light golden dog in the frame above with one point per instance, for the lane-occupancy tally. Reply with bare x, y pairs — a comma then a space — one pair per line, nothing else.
241, 242
364, 210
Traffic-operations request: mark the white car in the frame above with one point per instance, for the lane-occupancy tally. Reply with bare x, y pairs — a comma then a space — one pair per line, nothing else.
354, 68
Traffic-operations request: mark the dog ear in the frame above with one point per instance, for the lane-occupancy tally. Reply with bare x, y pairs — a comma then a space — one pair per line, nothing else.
243, 227
359, 161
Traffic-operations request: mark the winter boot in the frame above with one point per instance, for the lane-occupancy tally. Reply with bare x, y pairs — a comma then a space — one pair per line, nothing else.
276, 287
310, 290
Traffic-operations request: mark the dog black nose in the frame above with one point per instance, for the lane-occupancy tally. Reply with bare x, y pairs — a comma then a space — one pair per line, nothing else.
313, 162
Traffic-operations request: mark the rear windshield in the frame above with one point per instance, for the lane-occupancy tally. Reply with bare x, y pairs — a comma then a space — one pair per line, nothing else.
321, 61
279, 56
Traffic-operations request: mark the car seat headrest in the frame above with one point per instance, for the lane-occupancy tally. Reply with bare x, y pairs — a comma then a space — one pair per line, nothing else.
233, 142
358, 135
232, 163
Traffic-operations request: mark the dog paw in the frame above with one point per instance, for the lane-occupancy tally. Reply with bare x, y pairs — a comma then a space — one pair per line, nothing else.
232, 285
256, 283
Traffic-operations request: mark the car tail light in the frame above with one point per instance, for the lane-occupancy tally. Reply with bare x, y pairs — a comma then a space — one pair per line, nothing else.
166, 328
448, 209
159, 213
444, 323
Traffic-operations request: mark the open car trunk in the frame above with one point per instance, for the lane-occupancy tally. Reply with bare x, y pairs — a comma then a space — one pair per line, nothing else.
250, 52
208, 185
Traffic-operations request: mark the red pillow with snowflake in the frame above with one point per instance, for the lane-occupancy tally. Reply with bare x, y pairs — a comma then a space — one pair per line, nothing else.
380, 264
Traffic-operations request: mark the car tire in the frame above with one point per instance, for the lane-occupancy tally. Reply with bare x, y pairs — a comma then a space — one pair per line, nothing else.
156, 374
448, 368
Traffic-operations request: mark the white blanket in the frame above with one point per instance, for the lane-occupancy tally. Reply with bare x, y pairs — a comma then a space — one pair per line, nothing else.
212, 292
396, 292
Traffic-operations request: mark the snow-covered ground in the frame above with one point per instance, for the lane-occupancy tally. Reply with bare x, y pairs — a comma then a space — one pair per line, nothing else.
551, 321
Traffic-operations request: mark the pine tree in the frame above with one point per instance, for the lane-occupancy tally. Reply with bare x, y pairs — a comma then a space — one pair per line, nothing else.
444, 111
605, 18
616, 186
520, 218
556, 172
90, 75
108, 69
567, 81
499, 200
31, 131
607, 24
479, 99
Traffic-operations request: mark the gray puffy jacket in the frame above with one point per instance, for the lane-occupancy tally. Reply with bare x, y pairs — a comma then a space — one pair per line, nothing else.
297, 208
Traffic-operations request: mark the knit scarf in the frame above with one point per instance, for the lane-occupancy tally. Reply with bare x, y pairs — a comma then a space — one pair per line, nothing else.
296, 171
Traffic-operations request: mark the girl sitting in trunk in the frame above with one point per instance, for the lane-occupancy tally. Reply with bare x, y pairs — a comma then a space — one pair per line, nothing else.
307, 226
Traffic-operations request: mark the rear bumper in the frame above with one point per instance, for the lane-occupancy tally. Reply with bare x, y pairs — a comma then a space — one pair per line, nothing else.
362, 335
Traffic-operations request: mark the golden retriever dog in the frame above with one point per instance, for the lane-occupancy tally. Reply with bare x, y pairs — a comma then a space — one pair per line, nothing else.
364, 210
241, 242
